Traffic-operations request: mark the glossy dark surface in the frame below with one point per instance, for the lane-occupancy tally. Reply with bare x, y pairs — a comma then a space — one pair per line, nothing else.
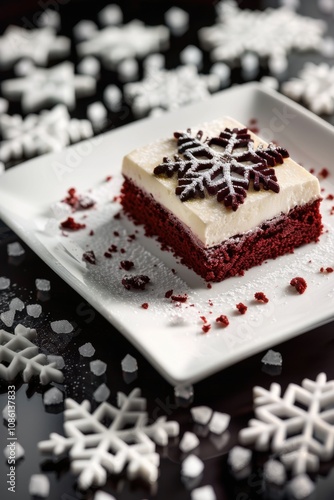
229, 391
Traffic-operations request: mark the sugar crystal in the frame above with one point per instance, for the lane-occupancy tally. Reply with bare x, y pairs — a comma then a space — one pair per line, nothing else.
43, 285
34, 310
177, 20
128, 70
61, 326
89, 66
19, 451
16, 304
301, 487
102, 393
203, 493
111, 15
184, 391
192, 466
97, 113
53, 396
84, 30
201, 414
3, 105
98, 367
7, 317
219, 422
102, 495
15, 249
272, 358
239, 458
188, 442
192, 55
49, 18
59, 360
274, 472
87, 350
39, 485
4, 283
112, 97
129, 364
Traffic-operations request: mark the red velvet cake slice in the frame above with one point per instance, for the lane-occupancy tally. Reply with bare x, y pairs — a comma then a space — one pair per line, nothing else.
221, 198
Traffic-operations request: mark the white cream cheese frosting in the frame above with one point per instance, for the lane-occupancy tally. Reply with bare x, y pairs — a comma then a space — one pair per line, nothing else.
209, 220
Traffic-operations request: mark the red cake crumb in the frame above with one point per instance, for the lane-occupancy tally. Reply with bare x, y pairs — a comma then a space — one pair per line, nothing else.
260, 297
330, 197
332, 211
326, 270
324, 173
71, 224
145, 305
116, 233
299, 284
91, 232
89, 256
107, 255
241, 308
311, 170
122, 250
117, 216
137, 282
223, 320
78, 202
209, 285
203, 318
112, 248
206, 328
168, 294
180, 298
108, 178
126, 264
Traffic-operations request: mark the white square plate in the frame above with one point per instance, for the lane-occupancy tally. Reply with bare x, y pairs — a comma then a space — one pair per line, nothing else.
170, 334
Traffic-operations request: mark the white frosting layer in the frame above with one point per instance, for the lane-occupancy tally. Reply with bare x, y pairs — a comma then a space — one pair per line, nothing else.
206, 218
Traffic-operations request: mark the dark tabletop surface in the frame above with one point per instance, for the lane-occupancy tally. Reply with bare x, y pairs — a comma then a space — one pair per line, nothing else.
229, 391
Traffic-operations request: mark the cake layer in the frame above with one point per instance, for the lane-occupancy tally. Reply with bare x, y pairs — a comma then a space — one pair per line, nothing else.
272, 238
207, 219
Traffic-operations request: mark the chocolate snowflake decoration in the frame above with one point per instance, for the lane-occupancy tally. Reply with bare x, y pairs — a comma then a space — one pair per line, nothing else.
225, 173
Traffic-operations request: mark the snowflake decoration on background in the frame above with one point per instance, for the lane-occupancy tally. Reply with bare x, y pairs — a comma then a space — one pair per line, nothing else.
225, 174
169, 89
37, 45
298, 426
22, 355
38, 134
97, 448
44, 87
264, 33
314, 86
116, 43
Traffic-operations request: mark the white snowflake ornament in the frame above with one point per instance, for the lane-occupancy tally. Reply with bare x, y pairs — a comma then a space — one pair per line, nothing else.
169, 89
37, 45
21, 355
298, 425
239, 31
116, 43
46, 87
96, 449
314, 86
38, 134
